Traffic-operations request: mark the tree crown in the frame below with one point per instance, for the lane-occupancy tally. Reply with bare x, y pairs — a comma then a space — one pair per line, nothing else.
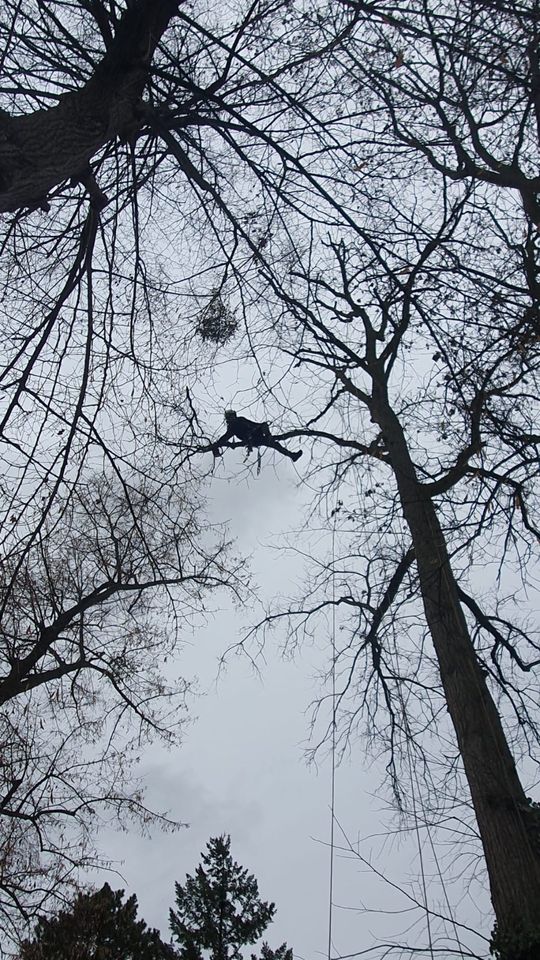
219, 909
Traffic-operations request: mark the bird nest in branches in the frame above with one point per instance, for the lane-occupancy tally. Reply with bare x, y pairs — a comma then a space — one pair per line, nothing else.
216, 323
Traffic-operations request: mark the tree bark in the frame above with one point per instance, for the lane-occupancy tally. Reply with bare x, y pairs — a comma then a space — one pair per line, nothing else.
42, 149
504, 815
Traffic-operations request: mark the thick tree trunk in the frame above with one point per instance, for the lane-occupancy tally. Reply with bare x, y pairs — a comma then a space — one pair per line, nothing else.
505, 821
42, 149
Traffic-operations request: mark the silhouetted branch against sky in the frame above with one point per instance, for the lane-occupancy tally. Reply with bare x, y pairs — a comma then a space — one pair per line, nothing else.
330, 211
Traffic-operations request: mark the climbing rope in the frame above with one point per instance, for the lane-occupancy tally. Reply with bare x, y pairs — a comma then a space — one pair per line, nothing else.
333, 739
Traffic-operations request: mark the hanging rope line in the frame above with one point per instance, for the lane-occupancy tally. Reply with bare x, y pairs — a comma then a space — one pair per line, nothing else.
417, 832
416, 792
333, 740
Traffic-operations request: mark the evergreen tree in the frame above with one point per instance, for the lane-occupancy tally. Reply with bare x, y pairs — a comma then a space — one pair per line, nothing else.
99, 926
280, 953
219, 909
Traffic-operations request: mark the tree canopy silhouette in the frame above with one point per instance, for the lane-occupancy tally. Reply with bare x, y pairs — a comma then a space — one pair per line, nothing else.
219, 910
98, 926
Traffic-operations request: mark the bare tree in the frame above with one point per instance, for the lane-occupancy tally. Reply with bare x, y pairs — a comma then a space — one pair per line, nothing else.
453, 505
143, 146
91, 615
414, 322
373, 168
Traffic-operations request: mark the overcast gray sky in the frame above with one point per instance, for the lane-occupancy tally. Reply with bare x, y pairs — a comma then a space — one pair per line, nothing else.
241, 770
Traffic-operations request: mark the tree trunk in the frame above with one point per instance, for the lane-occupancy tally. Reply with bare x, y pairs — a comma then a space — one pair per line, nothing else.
504, 816
42, 149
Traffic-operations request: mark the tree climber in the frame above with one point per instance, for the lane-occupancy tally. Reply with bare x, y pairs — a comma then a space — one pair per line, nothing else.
251, 435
